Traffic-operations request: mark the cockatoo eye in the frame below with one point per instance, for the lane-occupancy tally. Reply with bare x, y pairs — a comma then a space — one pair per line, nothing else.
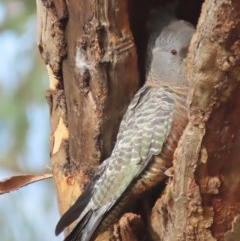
174, 51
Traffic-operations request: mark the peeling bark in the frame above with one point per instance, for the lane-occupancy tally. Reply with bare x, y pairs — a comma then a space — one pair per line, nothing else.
201, 201
92, 65
130, 227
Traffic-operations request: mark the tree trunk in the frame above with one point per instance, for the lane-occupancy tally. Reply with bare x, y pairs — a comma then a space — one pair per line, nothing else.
92, 63
201, 201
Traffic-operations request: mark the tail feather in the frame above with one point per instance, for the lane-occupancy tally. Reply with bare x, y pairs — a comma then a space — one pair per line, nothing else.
77, 232
87, 226
74, 212
79, 206
76, 209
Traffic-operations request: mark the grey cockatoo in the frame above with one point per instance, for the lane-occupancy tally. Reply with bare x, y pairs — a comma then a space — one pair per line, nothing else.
147, 137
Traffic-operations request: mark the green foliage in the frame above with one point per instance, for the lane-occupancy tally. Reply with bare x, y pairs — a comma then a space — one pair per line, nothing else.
24, 125
18, 12
27, 77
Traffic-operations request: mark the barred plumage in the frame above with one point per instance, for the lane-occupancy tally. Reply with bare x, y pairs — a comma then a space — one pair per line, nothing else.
147, 138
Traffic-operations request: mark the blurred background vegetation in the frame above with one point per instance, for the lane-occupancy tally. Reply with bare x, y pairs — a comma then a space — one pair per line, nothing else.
30, 213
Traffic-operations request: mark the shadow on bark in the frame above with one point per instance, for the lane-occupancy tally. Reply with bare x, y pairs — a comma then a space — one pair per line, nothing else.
95, 55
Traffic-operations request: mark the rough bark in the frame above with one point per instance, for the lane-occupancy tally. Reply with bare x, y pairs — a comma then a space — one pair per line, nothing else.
92, 65
201, 201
